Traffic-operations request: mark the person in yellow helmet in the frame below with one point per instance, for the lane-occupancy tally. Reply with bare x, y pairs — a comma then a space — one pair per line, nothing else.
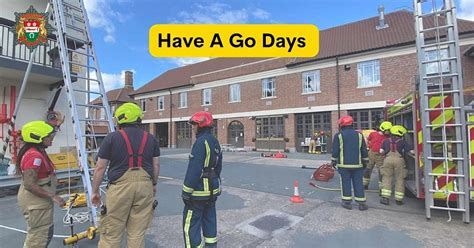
394, 149
374, 143
37, 192
132, 156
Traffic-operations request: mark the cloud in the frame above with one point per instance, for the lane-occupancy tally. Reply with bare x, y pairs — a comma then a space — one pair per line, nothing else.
220, 13
111, 80
187, 61
466, 9
103, 16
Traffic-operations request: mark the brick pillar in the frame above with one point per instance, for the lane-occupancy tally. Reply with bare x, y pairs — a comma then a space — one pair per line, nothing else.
172, 135
153, 129
222, 125
290, 132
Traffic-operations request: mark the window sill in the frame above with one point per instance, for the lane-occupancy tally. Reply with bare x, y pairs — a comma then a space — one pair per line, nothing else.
268, 98
370, 86
160, 110
185, 107
205, 105
234, 102
310, 93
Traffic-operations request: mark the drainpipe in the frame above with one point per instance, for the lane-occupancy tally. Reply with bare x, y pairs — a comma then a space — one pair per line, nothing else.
338, 89
170, 141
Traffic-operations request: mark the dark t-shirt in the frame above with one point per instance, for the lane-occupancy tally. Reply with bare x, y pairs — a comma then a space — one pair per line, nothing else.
114, 149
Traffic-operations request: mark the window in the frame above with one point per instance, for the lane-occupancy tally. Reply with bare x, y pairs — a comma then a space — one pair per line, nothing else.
368, 73
234, 93
268, 88
183, 100
143, 104
434, 55
206, 96
367, 118
161, 103
307, 124
311, 82
270, 127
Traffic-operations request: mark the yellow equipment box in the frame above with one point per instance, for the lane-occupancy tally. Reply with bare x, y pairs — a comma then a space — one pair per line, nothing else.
63, 161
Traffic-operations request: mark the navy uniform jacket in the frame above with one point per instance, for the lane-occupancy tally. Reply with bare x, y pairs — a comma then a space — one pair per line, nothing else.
206, 153
349, 149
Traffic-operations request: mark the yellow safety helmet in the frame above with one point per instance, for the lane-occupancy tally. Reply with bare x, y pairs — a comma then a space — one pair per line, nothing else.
385, 126
36, 131
128, 113
398, 130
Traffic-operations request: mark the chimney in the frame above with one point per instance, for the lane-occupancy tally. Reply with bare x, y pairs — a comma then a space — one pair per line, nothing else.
128, 80
382, 23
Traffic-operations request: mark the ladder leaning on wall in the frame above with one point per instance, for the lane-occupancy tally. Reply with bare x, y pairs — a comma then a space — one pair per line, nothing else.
75, 40
445, 158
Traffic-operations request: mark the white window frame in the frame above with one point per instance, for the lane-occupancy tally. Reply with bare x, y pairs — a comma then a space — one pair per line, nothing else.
234, 93
160, 103
207, 97
432, 68
268, 86
314, 85
102, 114
183, 100
143, 104
365, 67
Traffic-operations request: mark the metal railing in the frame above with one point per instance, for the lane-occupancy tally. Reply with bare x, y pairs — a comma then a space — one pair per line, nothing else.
45, 55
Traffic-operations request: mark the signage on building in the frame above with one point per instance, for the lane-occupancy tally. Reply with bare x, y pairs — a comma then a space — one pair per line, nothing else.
32, 28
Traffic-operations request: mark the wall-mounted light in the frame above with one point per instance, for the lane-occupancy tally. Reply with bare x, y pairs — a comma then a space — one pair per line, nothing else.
347, 67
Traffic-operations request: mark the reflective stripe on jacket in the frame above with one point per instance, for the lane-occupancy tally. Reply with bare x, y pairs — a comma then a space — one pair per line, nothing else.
349, 149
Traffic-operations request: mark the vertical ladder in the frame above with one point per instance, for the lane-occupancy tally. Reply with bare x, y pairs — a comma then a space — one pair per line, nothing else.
445, 155
78, 60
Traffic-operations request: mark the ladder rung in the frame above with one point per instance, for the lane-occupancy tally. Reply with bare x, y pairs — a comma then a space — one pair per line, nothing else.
438, 44
443, 175
444, 125
445, 108
94, 135
81, 53
445, 92
448, 209
86, 78
436, 28
438, 60
75, 28
88, 91
442, 75
435, 13
444, 158
92, 151
66, 4
441, 142
451, 192
77, 39
89, 105
82, 65
76, 17
93, 120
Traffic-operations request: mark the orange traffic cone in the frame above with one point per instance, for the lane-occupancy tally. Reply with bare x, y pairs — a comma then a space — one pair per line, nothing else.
296, 198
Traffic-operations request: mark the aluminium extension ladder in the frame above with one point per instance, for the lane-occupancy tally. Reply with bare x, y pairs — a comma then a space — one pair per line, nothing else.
74, 39
445, 158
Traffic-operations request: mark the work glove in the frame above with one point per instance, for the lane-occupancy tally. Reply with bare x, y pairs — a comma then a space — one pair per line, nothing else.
186, 199
334, 164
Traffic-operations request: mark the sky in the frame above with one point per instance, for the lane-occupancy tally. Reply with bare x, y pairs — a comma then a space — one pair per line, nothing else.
120, 27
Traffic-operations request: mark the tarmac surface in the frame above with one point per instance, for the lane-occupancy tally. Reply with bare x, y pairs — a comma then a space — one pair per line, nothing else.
254, 211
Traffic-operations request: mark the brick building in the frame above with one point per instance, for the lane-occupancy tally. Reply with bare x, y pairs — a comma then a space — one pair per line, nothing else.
275, 103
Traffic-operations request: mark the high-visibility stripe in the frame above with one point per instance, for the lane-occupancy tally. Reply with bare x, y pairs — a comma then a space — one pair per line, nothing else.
206, 192
210, 240
386, 193
360, 147
399, 195
187, 189
206, 164
360, 199
366, 181
341, 149
471, 152
350, 166
347, 198
187, 225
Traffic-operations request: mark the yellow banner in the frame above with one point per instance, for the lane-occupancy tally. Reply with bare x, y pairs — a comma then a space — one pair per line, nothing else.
234, 40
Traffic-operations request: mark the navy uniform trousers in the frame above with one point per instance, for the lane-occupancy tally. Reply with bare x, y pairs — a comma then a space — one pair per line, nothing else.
195, 214
352, 176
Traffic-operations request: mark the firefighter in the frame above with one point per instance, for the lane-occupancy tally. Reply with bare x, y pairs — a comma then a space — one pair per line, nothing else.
202, 184
38, 187
394, 148
374, 143
323, 142
312, 143
349, 156
132, 156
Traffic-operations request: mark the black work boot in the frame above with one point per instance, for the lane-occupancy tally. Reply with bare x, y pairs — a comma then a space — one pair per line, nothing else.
363, 206
346, 204
384, 201
399, 202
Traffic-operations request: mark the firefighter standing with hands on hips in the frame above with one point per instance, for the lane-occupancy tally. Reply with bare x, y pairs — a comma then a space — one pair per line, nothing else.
349, 156
374, 143
132, 156
202, 184
38, 187
394, 148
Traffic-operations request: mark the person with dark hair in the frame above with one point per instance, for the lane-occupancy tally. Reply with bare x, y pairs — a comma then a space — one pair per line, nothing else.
202, 184
37, 192
349, 156
132, 156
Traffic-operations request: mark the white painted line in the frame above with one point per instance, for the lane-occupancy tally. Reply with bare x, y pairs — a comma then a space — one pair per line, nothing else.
23, 231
